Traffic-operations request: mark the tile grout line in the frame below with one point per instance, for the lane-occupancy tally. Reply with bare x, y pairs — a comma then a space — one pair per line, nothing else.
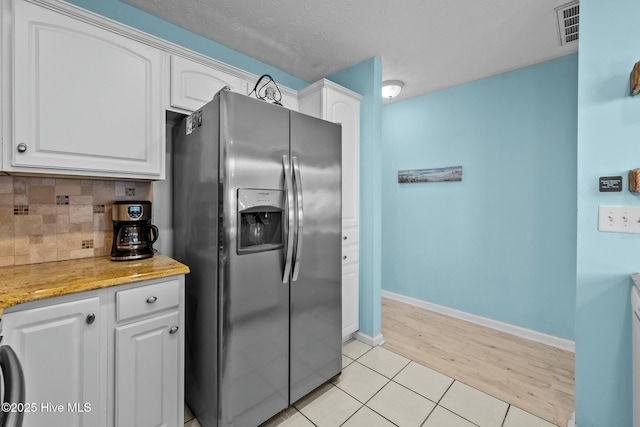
447, 409
475, 424
409, 389
504, 420
374, 394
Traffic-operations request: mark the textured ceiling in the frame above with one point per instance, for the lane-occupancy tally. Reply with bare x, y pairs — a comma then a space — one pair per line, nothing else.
428, 44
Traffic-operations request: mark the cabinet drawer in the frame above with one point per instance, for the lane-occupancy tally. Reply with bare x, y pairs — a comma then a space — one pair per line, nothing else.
349, 235
349, 254
147, 300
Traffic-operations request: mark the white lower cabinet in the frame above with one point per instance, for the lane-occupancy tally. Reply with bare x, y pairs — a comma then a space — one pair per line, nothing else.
350, 300
350, 282
59, 347
112, 357
149, 342
147, 353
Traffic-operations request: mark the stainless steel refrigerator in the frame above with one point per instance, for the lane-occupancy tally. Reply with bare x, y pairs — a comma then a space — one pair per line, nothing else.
257, 218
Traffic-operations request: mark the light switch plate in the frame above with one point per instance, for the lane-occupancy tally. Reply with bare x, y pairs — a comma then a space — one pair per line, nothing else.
619, 219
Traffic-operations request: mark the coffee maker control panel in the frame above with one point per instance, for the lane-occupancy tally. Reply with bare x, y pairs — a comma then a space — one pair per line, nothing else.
131, 211
135, 211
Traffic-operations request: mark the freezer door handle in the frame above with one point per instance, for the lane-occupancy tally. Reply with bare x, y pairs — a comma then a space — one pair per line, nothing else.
289, 195
300, 218
13, 386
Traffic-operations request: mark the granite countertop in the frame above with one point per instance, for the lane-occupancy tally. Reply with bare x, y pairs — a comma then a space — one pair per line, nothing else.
25, 283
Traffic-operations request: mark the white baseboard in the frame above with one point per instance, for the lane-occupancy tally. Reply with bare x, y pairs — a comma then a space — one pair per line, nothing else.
553, 341
373, 341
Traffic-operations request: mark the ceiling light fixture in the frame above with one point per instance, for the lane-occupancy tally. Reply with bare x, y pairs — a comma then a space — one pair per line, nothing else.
391, 88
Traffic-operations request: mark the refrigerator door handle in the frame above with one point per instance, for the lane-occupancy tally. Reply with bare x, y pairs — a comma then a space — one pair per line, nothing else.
288, 181
300, 217
14, 388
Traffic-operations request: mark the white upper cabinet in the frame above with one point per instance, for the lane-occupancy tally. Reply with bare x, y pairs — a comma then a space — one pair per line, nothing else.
82, 95
194, 84
86, 101
329, 101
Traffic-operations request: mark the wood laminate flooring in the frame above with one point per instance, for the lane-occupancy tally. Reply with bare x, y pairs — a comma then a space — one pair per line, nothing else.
532, 376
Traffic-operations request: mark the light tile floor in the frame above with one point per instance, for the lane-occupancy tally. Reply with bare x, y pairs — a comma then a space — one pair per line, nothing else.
379, 388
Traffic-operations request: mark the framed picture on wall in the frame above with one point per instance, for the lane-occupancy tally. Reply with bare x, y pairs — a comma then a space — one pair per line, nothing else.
451, 173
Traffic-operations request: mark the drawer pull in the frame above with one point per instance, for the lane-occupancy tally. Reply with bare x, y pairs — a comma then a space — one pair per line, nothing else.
151, 300
173, 330
344, 238
344, 257
91, 318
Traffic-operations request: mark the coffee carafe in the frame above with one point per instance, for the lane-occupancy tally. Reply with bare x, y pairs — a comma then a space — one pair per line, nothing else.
133, 233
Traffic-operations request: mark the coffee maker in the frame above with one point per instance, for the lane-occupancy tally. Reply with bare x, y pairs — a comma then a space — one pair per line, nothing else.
133, 233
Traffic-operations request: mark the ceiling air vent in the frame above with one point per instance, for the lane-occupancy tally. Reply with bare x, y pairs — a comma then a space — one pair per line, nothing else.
568, 19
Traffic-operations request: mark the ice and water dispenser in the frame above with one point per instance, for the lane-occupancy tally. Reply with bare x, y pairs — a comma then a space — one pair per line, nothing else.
260, 216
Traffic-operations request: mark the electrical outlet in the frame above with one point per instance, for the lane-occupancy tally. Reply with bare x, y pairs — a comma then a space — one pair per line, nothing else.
619, 219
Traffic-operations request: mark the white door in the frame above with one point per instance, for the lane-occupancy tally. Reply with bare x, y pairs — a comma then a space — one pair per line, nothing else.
59, 349
86, 101
194, 84
345, 110
147, 377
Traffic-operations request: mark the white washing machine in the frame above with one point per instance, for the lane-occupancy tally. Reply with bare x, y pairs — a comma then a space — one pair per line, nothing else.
635, 332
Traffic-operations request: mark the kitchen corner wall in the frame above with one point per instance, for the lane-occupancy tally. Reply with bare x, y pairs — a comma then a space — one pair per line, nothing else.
365, 78
608, 145
55, 219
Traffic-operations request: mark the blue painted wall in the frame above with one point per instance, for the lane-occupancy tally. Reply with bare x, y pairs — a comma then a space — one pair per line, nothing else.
502, 242
608, 144
136, 18
365, 78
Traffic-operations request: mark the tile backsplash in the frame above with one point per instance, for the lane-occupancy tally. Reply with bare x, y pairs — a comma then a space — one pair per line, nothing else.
55, 219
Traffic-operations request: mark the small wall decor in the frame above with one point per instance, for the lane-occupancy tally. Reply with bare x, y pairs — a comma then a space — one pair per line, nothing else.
451, 173
635, 79
608, 184
634, 180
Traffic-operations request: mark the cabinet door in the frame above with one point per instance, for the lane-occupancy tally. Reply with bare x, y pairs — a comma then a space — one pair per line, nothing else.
194, 84
86, 101
62, 362
342, 109
350, 300
147, 377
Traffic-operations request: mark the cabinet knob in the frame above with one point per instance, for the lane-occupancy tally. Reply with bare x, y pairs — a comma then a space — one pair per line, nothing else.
173, 330
344, 257
91, 318
344, 238
22, 147
151, 300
